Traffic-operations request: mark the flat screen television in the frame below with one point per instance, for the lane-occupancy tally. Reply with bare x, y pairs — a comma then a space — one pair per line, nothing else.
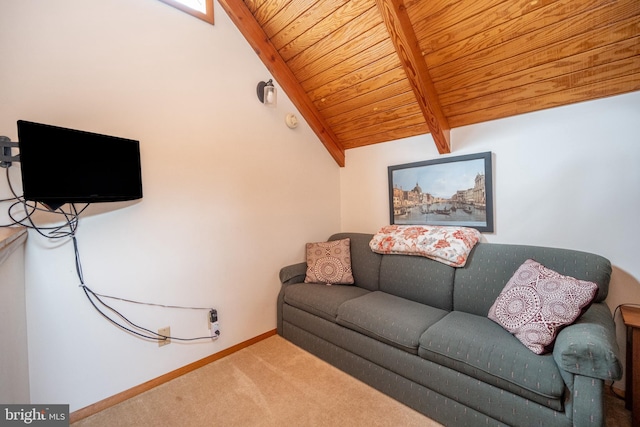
60, 165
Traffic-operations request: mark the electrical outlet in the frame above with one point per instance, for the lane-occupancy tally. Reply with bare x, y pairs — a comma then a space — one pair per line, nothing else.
213, 323
165, 332
215, 330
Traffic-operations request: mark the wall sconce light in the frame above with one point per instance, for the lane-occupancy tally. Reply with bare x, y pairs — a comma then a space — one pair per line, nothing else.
267, 93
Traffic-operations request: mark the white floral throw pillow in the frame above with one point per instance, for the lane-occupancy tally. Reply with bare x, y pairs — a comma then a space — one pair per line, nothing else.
537, 302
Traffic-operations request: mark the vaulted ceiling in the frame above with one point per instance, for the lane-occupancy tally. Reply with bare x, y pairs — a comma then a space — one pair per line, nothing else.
369, 71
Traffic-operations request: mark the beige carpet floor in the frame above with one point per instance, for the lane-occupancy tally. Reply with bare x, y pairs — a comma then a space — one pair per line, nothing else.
275, 383
271, 383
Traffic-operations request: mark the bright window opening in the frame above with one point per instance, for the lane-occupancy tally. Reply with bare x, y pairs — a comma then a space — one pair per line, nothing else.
198, 5
202, 9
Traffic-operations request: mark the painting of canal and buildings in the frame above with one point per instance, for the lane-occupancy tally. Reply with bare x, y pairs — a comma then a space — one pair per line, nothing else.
445, 192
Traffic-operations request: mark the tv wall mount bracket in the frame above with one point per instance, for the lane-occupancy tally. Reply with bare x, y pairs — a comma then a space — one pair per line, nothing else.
5, 152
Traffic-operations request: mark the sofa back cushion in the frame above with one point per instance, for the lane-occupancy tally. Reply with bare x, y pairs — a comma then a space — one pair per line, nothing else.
365, 264
491, 265
418, 279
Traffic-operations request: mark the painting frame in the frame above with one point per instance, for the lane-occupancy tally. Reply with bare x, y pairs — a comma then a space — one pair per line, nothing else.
458, 191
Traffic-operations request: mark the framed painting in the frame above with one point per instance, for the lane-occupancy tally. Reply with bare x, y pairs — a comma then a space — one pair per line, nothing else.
454, 191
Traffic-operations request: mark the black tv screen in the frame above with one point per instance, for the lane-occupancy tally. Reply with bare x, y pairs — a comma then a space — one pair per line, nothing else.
61, 165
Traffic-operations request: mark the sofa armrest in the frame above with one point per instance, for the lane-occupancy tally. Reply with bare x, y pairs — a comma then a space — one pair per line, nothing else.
293, 273
289, 275
588, 347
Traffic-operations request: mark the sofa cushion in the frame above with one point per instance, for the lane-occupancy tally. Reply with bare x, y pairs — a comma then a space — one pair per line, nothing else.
537, 302
329, 262
388, 318
491, 265
364, 262
321, 300
418, 279
480, 348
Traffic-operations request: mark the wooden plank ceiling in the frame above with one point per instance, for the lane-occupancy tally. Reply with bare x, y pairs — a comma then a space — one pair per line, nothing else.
370, 71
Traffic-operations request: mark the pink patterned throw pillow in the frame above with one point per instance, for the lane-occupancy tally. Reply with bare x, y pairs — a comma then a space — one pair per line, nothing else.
537, 302
329, 262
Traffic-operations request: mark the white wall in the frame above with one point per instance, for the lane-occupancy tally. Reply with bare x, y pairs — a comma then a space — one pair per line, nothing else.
566, 177
14, 369
230, 193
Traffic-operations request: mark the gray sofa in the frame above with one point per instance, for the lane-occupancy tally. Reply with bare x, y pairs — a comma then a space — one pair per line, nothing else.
418, 331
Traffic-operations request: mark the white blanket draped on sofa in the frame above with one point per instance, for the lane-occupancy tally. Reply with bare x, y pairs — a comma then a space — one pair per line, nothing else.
448, 245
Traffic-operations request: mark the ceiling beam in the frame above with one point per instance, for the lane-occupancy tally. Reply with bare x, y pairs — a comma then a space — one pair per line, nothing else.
259, 41
405, 41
